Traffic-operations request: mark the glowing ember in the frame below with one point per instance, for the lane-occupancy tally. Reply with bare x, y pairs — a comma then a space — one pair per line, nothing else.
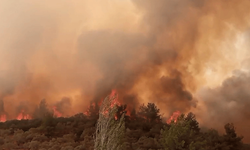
2, 118
94, 106
22, 115
56, 112
91, 108
128, 113
113, 92
86, 113
174, 117
100, 102
115, 101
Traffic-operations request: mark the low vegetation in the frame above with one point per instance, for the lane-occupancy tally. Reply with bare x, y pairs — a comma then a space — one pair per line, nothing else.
143, 130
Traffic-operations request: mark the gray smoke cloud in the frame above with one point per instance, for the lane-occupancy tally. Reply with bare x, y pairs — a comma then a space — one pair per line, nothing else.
228, 103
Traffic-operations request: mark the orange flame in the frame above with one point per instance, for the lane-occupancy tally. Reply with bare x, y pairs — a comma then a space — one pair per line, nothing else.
86, 113
93, 105
174, 117
128, 113
2, 118
22, 115
115, 101
56, 112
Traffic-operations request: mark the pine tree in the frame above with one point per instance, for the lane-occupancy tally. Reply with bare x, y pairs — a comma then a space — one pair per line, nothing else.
109, 131
42, 110
150, 113
231, 138
182, 134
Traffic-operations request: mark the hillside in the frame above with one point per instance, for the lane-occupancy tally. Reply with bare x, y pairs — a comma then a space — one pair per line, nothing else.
143, 131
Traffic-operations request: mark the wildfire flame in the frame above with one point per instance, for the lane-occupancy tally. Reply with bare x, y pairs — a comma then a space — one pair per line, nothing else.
22, 115
93, 105
115, 101
174, 117
128, 113
56, 112
86, 113
2, 118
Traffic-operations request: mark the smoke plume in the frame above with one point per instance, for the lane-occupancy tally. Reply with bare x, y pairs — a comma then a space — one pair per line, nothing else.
228, 103
177, 54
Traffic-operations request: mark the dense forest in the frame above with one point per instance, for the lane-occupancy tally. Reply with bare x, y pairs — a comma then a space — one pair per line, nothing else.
144, 130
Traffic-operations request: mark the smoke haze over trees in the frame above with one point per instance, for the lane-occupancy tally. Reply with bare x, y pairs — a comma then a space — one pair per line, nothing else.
76, 132
190, 55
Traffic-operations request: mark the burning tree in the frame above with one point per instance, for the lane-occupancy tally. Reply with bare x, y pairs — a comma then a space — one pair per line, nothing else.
182, 133
109, 130
2, 112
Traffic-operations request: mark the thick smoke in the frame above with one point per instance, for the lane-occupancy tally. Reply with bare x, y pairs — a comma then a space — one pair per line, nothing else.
228, 103
149, 51
2, 111
63, 106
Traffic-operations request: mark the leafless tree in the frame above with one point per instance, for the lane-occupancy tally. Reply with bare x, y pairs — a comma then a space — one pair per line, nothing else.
110, 130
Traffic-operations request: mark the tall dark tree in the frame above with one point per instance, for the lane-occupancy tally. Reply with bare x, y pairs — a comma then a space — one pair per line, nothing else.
182, 134
213, 141
93, 110
150, 113
42, 110
194, 124
228, 141
231, 138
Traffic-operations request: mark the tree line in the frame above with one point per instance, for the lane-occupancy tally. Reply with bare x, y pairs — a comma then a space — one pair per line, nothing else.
181, 134
111, 128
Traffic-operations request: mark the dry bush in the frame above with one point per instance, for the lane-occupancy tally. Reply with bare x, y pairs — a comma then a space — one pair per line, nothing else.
33, 130
146, 143
10, 146
40, 138
30, 136
55, 147
88, 142
44, 145
68, 138
67, 148
80, 147
19, 137
34, 145
87, 132
1, 140
5, 132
